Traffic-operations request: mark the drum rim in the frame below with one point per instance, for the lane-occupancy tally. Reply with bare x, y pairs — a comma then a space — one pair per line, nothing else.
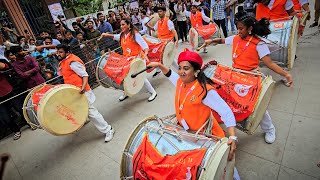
196, 38
173, 52
221, 148
25, 103
255, 118
292, 45
123, 163
105, 55
128, 76
45, 96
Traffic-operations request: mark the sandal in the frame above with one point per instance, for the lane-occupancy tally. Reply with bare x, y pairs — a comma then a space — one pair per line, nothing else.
17, 136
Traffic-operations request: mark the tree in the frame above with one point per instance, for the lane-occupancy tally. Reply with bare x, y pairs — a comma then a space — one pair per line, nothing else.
83, 7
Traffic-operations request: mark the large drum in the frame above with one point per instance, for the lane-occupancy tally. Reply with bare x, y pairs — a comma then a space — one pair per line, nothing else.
58, 109
258, 97
160, 51
282, 41
123, 67
171, 141
199, 34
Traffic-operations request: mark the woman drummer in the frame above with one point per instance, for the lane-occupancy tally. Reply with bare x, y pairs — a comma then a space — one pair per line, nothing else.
247, 50
195, 98
132, 44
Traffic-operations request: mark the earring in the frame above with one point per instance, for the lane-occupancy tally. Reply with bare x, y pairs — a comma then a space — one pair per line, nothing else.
250, 32
196, 75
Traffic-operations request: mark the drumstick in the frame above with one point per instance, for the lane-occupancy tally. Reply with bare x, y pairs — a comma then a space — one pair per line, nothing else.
203, 45
136, 74
4, 160
149, 20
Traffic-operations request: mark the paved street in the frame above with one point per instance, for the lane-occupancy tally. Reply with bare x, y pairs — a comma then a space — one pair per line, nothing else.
84, 155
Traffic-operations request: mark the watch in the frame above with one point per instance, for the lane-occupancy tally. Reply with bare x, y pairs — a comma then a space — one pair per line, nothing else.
233, 138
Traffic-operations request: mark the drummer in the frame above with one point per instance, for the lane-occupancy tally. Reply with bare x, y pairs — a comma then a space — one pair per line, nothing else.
274, 9
166, 31
132, 44
196, 18
74, 72
247, 50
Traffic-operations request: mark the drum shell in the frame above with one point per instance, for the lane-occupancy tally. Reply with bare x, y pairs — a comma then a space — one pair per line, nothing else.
198, 40
29, 112
282, 41
209, 160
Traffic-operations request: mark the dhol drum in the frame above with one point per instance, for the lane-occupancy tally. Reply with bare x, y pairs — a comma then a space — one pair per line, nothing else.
305, 17
282, 41
175, 148
160, 51
58, 109
247, 93
121, 68
198, 35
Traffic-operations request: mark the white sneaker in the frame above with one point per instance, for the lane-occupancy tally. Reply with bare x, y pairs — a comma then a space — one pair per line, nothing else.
152, 97
109, 135
270, 137
123, 97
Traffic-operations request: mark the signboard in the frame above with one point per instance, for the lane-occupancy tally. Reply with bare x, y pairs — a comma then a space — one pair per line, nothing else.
56, 10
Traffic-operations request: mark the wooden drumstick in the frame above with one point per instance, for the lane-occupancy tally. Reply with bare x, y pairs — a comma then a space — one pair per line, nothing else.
4, 159
149, 20
202, 46
136, 74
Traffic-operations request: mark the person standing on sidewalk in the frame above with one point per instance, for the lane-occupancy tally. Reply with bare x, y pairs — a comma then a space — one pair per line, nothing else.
219, 17
182, 20
74, 72
316, 13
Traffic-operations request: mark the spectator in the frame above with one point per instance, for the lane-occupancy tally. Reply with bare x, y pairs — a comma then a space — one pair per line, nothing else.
76, 28
179, 8
316, 13
27, 68
117, 22
231, 8
239, 14
90, 32
196, 2
145, 19
248, 7
104, 26
70, 40
219, 16
45, 33
136, 19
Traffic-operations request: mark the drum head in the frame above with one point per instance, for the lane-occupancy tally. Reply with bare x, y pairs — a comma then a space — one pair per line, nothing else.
133, 85
253, 121
63, 110
28, 108
218, 166
194, 41
100, 74
152, 39
168, 54
293, 43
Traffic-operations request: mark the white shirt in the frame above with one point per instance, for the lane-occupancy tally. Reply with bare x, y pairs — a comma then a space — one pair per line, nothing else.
80, 70
214, 101
144, 27
204, 17
138, 39
136, 20
170, 25
287, 6
196, 3
180, 15
261, 48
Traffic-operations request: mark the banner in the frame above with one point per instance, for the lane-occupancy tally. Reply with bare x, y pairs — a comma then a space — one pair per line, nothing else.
117, 67
56, 10
206, 31
240, 91
155, 51
36, 96
148, 163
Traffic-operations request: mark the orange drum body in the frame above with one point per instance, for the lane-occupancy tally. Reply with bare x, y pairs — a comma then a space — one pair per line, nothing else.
199, 34
160, 51
58, 109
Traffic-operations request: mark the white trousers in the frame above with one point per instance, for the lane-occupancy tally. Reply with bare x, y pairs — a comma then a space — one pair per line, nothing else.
148, 86
266, 123
97, 119
236, 175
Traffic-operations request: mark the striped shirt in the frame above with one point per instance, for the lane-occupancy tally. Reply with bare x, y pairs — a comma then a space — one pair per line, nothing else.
218, 9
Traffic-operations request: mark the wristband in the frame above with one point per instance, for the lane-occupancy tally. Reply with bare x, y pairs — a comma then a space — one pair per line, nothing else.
234, 138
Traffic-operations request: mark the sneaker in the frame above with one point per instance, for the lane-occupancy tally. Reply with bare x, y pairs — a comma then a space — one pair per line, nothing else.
314, 24
109, 135
205, 50
156, 74
123, 97
270, 137
153, 96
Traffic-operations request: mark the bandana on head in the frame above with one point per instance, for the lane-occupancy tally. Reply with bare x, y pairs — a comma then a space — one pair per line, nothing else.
190, 56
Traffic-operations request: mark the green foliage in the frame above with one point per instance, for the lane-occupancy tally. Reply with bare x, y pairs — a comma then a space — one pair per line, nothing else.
83, 7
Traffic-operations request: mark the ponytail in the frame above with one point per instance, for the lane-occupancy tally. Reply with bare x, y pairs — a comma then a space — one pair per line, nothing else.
260, 28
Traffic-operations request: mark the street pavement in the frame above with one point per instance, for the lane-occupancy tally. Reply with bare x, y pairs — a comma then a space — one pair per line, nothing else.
83, 155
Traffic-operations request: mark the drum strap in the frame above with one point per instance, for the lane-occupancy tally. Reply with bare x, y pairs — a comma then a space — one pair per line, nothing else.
207, 126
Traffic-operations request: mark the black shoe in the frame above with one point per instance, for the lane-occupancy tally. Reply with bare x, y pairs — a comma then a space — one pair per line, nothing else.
314, 24
156, 74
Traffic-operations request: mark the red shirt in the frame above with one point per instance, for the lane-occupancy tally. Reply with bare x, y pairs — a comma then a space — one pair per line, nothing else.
5, 86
